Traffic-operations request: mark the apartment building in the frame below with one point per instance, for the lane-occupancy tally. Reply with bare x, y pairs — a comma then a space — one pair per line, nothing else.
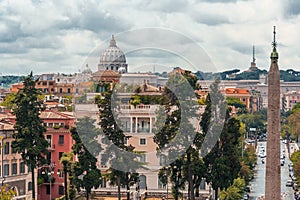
51, 176
13, 171
289, 99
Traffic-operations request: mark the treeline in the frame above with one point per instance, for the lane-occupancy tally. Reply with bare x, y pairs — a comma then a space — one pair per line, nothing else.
288, 75
7, 81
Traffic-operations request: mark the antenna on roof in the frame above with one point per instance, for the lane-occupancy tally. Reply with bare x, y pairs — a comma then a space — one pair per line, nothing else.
254, 54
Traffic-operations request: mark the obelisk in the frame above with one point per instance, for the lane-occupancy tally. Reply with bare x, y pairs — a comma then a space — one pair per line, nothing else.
273, 178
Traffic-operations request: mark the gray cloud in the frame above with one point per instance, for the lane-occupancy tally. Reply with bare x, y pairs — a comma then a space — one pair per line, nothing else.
223, 1
10, 30
245, 48
292, 7
212, 20
59, 35
12, 48
168, 6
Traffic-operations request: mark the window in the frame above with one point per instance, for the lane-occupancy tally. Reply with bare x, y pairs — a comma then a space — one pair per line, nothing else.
125, 140
22, 168
29, 168
29, 186
48, 189
61, 139
49, 157
142, 157
6, 148
14, 168
60, 155
162, 160
142, 141
49, 139
13, 150
60, 90
6, 169
60, 173
202, 184
143, 181
160, 184
61, 190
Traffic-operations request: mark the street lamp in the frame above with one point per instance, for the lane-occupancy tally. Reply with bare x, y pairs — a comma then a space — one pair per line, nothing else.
50, 172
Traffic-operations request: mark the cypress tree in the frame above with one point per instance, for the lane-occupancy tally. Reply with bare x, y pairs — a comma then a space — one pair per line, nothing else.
29, 136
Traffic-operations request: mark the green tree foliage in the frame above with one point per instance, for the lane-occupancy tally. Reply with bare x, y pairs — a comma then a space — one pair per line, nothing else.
85, 173
6, 193
224, 75
295, 158
29, 136
9, 101
136, 100
246, 173
7, 81
254, 120
235, 102
294, 123
66, 161
223, 159
120, 157
235, 191
289, 75
295, 108
249, 156
171, 136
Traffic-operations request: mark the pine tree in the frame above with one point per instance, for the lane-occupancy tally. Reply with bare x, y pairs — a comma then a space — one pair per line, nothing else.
120, 157
29, 139
85, 173
176, 136
221, 141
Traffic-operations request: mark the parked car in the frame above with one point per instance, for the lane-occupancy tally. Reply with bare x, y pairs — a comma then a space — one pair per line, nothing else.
289, 183
262, 155
247, 189
246, 196
295, 187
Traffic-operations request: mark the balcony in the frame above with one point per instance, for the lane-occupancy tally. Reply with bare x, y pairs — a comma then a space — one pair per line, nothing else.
51, 147
138, 109
143, 130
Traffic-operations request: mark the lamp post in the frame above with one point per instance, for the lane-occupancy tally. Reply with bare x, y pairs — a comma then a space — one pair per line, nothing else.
50, 172
167, 173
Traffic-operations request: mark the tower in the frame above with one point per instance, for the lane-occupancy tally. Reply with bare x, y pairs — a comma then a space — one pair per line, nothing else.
253, 64
273, 178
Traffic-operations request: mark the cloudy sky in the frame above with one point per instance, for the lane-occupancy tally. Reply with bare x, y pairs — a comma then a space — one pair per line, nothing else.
62, 36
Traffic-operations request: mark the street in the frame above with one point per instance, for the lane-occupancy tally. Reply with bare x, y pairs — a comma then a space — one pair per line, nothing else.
257, 185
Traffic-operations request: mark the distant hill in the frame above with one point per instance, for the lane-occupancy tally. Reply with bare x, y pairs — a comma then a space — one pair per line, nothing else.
289, 75
7, 81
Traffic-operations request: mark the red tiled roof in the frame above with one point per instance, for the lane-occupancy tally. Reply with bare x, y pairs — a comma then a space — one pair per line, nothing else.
236, 91
49, 114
